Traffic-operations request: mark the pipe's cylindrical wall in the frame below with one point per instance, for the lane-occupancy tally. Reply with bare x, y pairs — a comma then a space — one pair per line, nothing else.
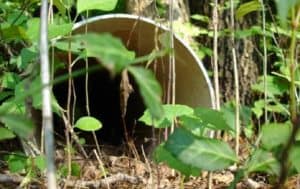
193, 86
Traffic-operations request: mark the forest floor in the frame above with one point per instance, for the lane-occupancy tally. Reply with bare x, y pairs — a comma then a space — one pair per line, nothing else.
139, 172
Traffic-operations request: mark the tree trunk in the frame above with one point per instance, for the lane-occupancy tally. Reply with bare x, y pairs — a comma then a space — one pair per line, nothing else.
247, 58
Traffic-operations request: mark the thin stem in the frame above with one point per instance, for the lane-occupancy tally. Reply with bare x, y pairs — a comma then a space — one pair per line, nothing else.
172, 57
215, 54
46, 93
236, 82
265, 62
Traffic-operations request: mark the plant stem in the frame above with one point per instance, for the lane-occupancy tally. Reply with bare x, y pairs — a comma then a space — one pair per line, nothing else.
295, 119
46, 95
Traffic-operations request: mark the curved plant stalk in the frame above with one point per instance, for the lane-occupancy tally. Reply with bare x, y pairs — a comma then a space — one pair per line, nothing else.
295, 118
46, 96
236, 82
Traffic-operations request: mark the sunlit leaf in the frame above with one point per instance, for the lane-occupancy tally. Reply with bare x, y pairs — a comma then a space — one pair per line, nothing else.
247, 8
6, 134
203, 153
171, 112
88, 123
104, 5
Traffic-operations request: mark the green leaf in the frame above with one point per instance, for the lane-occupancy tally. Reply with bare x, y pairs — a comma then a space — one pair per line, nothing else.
104, 5
16, 163
54, 30
28, 55
88, 123
212, 119
10, 80
75, 169
262, 161
171, 112
192, 123
40, 162
275, 134
275, 86
19, 124
203, 153
247, 8
150, 90
200, 18
294, 156
6, 134
105, 47
283, 9
13, 33
163, 155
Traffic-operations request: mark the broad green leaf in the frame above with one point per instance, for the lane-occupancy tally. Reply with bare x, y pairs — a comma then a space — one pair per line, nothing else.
88, 123
105, 47
5, 94
262, 161
212, 119
203, 153
104, 5
171, 112
163, 155
54, 30
19, 124
247, 8
6, 134
275, 134
295, 156
150, 90
275, 86
10, 80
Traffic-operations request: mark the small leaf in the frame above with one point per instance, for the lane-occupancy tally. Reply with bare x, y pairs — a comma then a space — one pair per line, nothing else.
19, 124
150, 90
13, 33
40, 162
162, 155
104, 5
75, 169
16, 163
203, 153
247, 8
262, 161
88, 123
6, 134
275, 134
171, 112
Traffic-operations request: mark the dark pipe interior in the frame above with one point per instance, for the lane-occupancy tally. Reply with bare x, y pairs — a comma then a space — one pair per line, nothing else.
104, 100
